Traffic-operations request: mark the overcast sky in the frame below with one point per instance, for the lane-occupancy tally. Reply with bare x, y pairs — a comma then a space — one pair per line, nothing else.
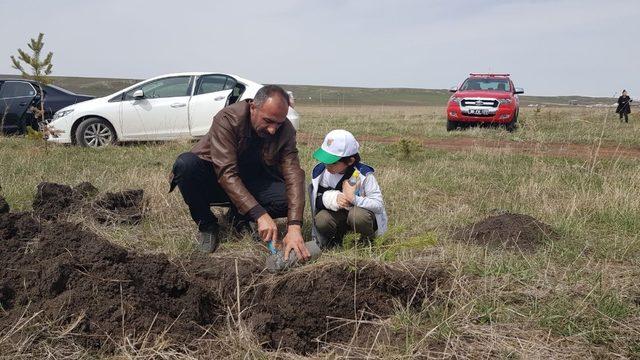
555, 47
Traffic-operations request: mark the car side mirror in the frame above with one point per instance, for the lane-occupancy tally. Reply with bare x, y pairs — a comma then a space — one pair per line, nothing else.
138, 94
453, 89
519, 91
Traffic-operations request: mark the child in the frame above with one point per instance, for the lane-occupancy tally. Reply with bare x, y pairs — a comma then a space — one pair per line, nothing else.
336, 205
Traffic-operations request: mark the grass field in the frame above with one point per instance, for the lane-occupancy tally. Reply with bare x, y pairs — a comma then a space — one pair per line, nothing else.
575, 297
546, 125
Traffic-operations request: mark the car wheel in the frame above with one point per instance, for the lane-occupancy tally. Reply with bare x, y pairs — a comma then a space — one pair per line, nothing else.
95, 132
513, 124
452, 125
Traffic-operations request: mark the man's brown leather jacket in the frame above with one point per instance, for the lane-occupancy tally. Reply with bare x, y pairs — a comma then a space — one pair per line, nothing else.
227, 141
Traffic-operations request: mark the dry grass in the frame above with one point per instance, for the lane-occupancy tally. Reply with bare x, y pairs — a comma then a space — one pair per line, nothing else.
576, 297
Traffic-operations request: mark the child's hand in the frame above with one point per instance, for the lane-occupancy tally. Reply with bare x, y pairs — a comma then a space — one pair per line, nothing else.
349, 191
342, 201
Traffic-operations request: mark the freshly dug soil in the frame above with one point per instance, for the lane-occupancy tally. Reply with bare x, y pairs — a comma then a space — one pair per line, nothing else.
311, 305
55, 201
74, 275
4, 205
101, 291
305, 309
316, 304
507, 231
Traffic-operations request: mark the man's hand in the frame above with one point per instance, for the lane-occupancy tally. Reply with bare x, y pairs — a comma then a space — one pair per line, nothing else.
293, 241
267, 228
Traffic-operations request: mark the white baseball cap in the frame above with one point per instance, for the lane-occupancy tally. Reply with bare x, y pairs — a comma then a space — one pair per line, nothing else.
336, 145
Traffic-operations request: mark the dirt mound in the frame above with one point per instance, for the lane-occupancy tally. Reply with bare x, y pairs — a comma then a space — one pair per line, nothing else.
508, 230
72, 275
4, 206
54, 201
316, 304
306, 309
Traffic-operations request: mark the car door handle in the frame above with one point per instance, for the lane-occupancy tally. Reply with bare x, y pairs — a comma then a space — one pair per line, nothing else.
178, 105
218, 98
22, 103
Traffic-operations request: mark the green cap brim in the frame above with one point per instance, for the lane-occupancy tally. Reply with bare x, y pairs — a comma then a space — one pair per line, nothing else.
325, 157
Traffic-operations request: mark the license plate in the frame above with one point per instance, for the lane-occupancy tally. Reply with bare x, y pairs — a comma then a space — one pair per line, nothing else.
478, 112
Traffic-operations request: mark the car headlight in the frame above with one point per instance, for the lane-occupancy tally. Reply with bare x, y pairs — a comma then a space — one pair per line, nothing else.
504, 101
454, 100
62, 113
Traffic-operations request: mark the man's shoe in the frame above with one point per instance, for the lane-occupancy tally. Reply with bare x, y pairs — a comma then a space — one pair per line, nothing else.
208, 241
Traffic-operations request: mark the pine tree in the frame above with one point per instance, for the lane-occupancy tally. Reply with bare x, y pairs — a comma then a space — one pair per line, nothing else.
39, 68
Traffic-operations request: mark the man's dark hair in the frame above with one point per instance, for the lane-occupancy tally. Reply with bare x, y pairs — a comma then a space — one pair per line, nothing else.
356, 158
268, 91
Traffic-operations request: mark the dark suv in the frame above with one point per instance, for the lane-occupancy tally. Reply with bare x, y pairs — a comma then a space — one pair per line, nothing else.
18, 96
484, 98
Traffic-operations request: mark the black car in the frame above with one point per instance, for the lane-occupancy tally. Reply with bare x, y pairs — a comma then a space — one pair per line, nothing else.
18, 96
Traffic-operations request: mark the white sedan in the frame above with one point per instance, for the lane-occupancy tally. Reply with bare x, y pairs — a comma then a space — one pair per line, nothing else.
166, 107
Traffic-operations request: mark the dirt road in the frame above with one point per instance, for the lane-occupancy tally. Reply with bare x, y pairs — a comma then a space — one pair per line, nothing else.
583, 151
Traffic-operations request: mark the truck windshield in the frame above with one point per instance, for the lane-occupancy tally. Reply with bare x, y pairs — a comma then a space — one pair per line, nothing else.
486, 84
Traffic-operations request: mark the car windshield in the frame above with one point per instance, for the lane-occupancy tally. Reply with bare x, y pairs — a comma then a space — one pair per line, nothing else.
486, 84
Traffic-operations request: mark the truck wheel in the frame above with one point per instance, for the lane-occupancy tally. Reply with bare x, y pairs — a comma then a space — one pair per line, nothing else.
511, 126
95, 132
452, 125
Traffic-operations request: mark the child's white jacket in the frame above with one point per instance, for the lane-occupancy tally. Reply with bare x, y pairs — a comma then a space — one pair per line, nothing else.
370, 198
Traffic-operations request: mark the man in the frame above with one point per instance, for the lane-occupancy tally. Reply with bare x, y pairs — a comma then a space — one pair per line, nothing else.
249, 158
624, 106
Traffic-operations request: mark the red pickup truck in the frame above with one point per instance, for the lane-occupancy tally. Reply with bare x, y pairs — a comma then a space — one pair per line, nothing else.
484, 98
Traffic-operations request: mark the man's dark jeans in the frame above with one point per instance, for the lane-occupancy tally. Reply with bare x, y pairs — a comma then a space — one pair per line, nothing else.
199, 187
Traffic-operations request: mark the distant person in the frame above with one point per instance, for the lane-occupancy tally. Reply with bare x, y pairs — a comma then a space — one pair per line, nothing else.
624, 106
248, 158
337, 206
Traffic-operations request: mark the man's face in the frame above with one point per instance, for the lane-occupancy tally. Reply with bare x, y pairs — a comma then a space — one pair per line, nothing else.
267, 118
